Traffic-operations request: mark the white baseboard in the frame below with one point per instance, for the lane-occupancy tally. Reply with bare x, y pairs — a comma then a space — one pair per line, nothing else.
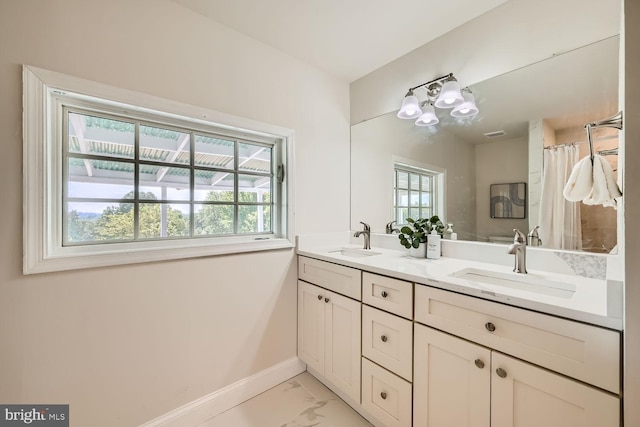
206, 407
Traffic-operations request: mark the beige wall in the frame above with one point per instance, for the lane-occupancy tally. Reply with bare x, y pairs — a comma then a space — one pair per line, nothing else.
512, 156
125, 344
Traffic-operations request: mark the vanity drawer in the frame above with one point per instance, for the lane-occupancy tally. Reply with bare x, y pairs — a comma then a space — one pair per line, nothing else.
338, 278
392, 295
385, 395
387, 340
587, 353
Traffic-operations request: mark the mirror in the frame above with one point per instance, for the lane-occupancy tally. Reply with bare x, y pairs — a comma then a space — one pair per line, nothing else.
545, 103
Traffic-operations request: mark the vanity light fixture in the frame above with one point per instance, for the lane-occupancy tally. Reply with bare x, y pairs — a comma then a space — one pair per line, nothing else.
450, 95
428, 117
468, 108
443, 92
410, 106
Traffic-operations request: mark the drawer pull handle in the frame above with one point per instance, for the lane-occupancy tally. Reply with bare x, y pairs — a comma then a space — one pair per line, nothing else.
384, 294
383, 395
479, 363
326, 300
384, 338
319, 297
501, 373
490, 326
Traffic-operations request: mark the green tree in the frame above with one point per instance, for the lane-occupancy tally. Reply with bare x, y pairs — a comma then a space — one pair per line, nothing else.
117, 223
79, 229
215, 219
219, 218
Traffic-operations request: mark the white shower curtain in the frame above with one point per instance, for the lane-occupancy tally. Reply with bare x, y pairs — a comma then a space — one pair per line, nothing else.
559, 219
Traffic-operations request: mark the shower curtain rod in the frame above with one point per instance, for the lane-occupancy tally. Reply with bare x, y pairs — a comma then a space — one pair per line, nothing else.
611, 152
602, 138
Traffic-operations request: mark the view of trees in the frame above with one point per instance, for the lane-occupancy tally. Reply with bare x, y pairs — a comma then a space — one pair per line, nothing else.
117, 222
218, 219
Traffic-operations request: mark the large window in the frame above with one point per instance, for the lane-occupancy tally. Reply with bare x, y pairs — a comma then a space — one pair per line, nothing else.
133, 180
416, 193
108, 182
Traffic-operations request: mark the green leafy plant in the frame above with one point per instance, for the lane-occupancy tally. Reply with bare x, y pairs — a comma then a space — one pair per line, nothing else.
418, 229
434, 222
415, 233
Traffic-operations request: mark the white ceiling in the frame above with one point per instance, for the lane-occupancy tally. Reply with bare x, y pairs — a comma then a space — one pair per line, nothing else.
347, 38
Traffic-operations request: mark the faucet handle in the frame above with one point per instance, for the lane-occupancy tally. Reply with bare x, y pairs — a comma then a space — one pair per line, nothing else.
389, 227
519, 237
533, 238
366, 226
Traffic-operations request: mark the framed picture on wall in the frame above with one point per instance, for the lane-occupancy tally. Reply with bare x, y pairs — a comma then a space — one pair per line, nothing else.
508, 200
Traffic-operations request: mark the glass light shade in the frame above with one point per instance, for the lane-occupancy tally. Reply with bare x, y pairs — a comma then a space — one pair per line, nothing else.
410, 107
450, 95
468, 108
428, 118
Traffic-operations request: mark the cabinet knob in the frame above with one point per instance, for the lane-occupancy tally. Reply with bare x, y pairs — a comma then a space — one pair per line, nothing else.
501, 373
326, 300
383, 395
319, 297
479, 363
384, 294
384, 338
490, 326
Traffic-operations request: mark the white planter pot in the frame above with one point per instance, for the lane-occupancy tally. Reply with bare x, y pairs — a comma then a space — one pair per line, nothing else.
419, 252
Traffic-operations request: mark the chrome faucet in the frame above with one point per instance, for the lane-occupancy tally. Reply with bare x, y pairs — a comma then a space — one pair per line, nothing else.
533, 238
389, 228
519, 249
367, 235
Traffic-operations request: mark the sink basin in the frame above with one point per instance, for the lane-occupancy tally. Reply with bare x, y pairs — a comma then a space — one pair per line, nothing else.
355, 253
524, 282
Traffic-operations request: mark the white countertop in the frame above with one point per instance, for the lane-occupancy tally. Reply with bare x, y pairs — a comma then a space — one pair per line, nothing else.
590, 302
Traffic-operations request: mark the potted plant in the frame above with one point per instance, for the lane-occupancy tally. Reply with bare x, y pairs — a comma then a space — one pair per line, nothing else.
414, 236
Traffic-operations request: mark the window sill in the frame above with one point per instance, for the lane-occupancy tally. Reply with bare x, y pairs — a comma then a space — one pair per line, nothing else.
81, 257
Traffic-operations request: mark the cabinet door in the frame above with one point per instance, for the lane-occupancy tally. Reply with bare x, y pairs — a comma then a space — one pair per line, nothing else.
311, 323
451, 381
524, 395
342, 344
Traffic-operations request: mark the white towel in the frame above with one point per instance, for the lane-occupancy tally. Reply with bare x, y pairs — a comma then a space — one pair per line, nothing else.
580, 183
605, 188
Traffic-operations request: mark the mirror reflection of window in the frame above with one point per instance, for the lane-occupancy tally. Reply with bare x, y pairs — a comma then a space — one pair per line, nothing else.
415, 193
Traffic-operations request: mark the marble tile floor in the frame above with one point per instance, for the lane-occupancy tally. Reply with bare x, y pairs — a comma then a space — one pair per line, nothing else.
301, 401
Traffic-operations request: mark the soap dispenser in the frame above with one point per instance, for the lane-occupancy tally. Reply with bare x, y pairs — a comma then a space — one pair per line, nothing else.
434, 245
450, 234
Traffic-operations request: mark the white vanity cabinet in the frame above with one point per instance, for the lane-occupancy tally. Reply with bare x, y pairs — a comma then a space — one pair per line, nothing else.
405, 354
462, 379
329, 330
387, 342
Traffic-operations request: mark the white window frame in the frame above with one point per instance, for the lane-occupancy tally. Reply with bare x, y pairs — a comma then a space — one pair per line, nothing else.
438, 175
43, 251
